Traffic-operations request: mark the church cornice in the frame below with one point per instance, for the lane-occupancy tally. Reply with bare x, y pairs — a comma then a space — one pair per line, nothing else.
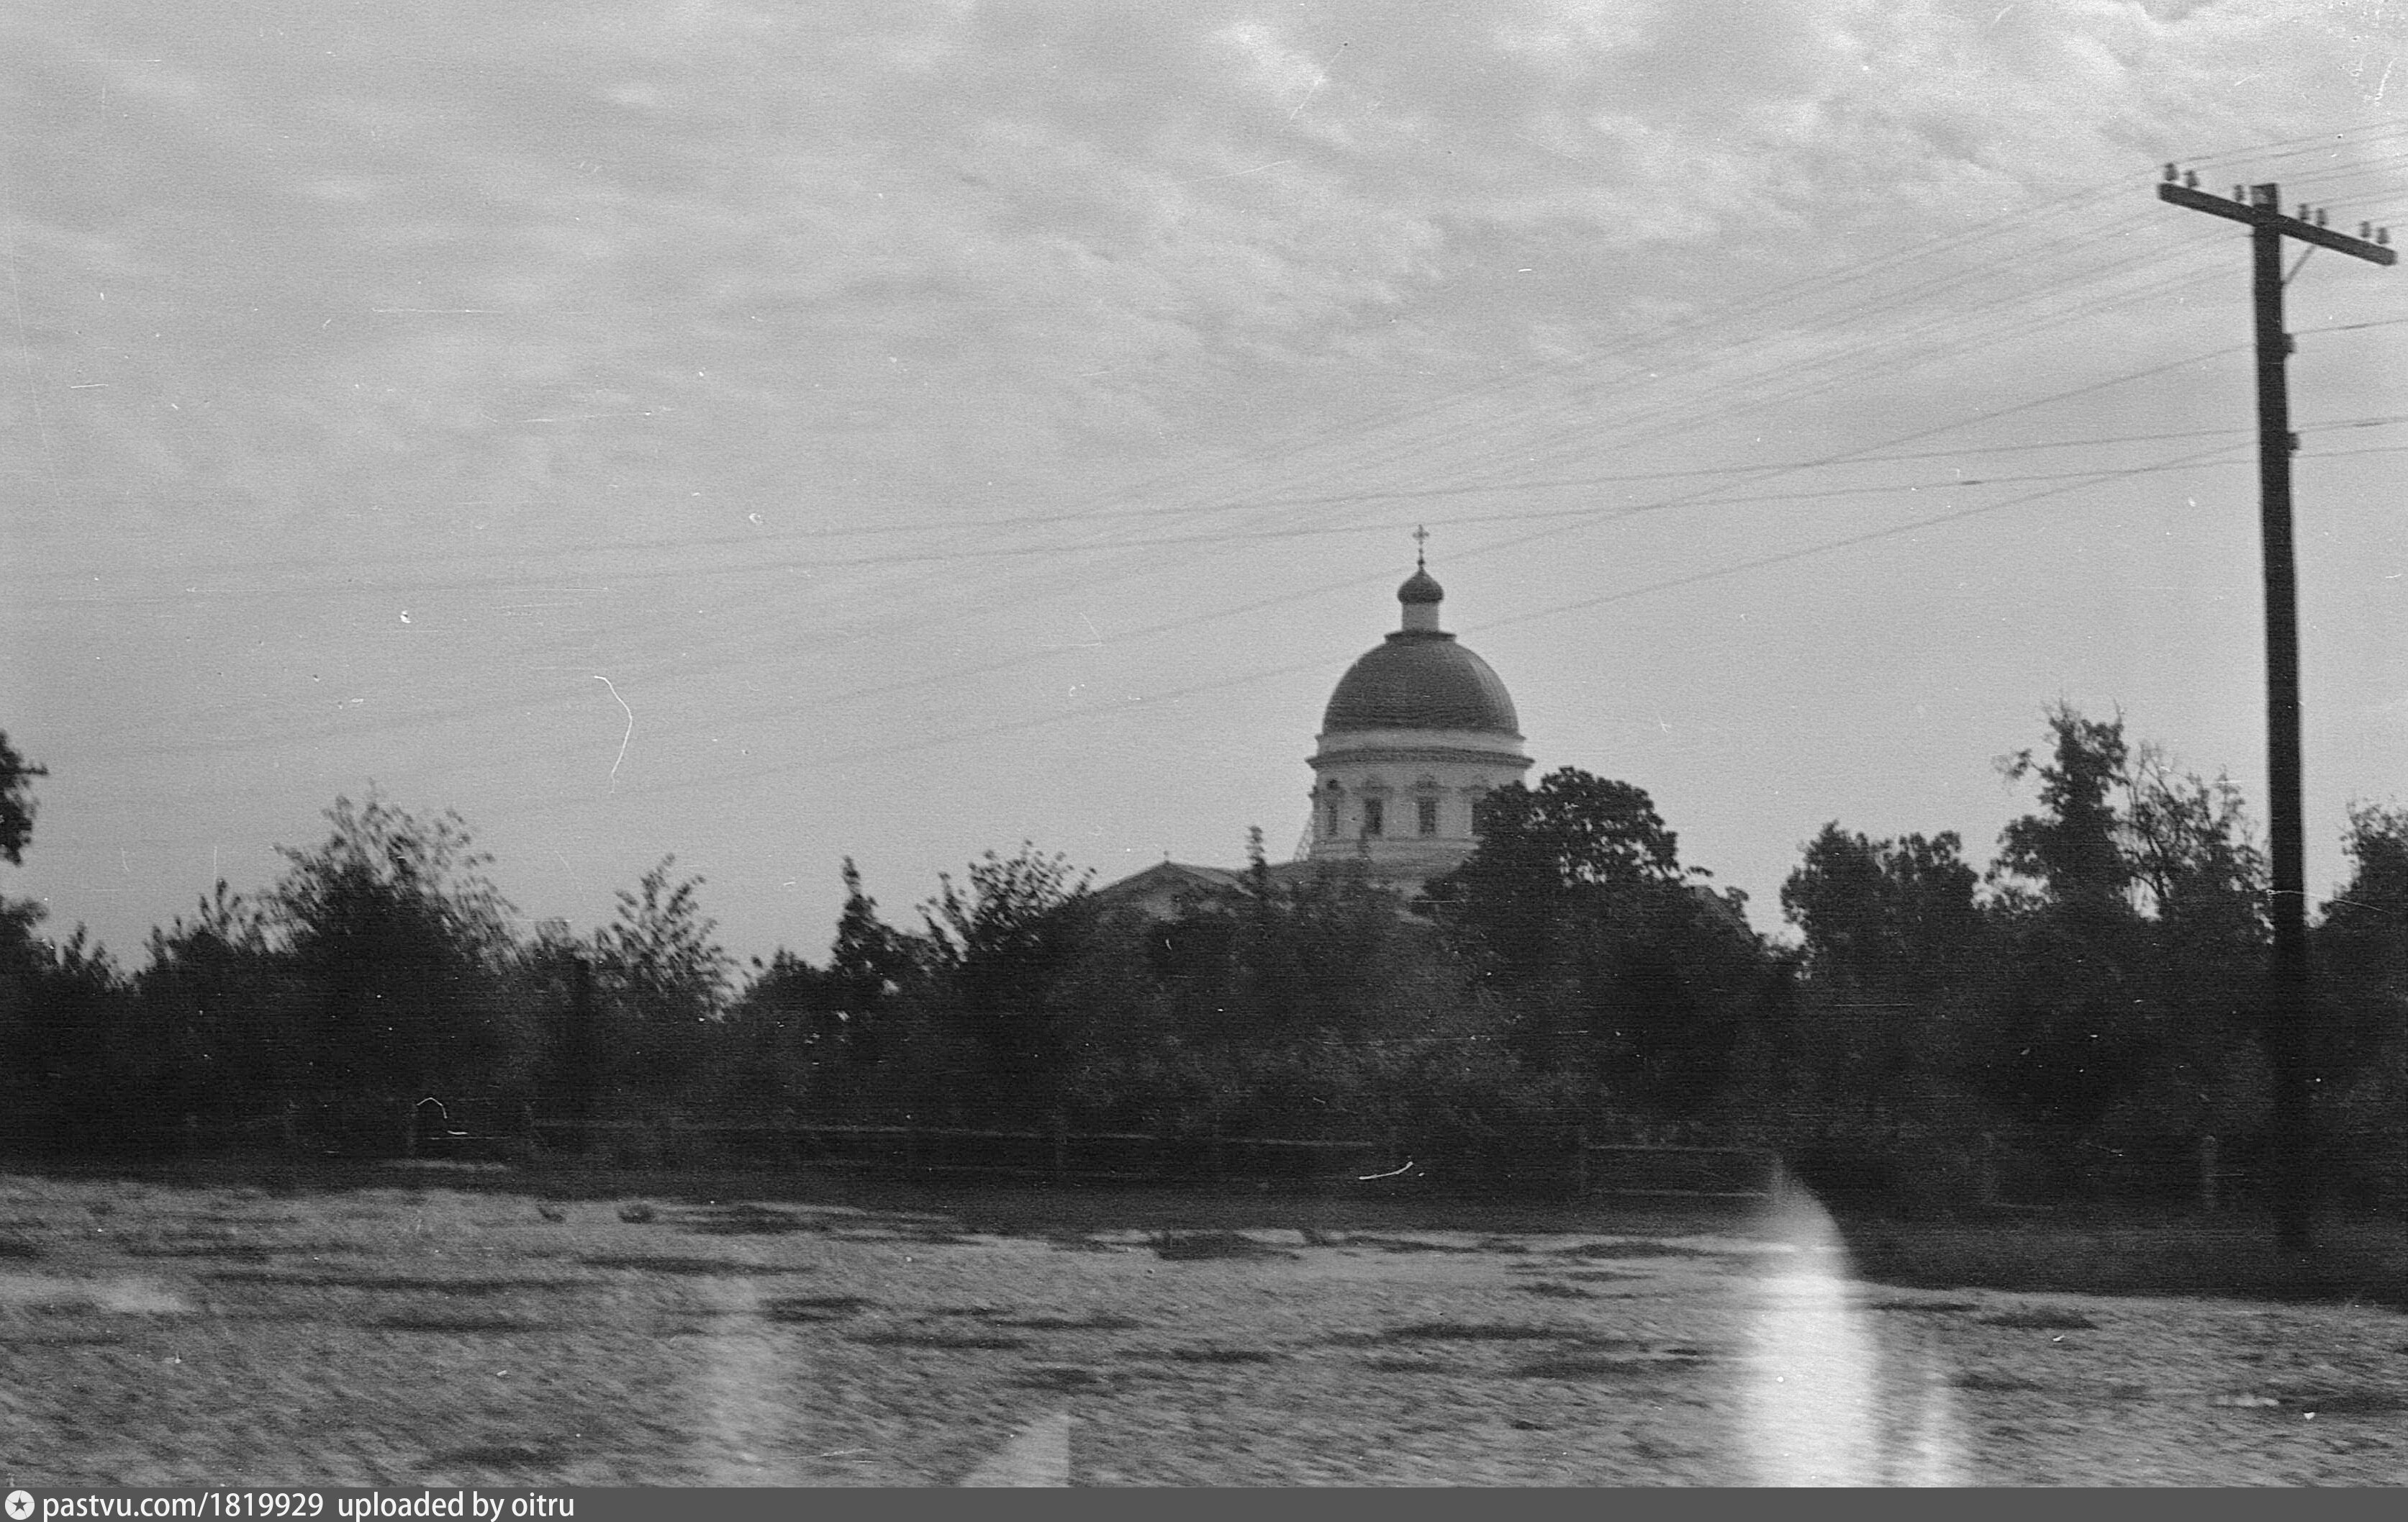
1407, 754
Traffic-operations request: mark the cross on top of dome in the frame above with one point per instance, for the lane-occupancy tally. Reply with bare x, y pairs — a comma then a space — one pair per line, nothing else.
1421, 594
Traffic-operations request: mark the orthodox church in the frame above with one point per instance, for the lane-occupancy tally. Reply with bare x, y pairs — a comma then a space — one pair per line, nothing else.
1417, 731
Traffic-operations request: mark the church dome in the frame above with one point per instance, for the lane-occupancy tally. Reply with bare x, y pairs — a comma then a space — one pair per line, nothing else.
1419, 678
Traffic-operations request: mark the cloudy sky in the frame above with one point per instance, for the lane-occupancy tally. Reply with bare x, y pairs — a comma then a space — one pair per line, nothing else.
767, 433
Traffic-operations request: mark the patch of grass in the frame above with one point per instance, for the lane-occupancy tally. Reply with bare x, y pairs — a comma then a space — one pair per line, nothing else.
1069, 1379
2358, 1402
420, 1321
811, 1308
2040, 1318
1928, 1307
1403, 1245
1987, 1383
1591, 1365
2365, 1260
1553, 1289
1477, 1331
1637, 1249
18, 1249
638, 1213
318, 1249
951, 1342
241, 1252
68, 1339
397, 1283
1101, 1322
1200, 1247
1221, 1355
1393, 1364
751, 1221
506, 1456
693, 1267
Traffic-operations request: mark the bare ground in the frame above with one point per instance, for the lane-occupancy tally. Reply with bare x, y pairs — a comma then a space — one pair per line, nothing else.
441, 1330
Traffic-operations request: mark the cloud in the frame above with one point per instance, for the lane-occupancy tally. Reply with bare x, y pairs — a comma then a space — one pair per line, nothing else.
354, 299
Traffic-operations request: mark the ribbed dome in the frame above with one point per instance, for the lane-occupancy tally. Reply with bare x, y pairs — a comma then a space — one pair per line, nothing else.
1420, 678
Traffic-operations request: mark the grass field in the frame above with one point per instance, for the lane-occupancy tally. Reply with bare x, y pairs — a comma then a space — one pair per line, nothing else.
389, 1326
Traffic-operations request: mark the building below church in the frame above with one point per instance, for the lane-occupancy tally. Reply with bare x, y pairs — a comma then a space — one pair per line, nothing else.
1418, 731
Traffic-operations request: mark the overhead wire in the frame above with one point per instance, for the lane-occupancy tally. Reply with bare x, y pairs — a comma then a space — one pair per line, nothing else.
1491, 484
1261, 674
1702, 495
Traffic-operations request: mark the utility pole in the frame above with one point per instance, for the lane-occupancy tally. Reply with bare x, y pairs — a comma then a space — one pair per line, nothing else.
2290, 993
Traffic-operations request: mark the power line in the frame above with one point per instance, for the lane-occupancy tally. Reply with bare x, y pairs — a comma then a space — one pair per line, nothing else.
1264, 674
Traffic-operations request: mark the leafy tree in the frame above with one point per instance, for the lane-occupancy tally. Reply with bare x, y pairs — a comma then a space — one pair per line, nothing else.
2361, 945
71, 1074
402, 943
2073, 1039
777, 1043
1576, 911
822, 1035
216, 997
1306, 1007
1894, 975
995, 950
1882, 909
2070, 856
16, 801
1536, 846
868, 966
567, 1046
2134, 912
1667, 976
70, 1077
2204, 885
659, 965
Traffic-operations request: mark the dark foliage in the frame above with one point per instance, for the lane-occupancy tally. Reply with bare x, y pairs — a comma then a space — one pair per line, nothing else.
2084, 1015
16, 801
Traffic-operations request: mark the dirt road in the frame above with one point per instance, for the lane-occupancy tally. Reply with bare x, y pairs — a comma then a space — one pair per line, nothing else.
430, 1335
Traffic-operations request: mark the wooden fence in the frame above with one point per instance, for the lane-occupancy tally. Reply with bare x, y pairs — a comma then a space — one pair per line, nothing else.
2202, 1173
1557, 1161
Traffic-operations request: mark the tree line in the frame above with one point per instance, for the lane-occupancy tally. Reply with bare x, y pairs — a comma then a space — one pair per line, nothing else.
2095, 994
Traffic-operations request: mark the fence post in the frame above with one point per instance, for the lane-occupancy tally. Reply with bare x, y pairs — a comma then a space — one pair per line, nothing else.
410, 1128
1061, 1144
2208, 1181
1986, 1178
286, 1131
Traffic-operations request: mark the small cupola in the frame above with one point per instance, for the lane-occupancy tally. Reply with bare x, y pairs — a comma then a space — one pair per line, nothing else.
1421, 595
